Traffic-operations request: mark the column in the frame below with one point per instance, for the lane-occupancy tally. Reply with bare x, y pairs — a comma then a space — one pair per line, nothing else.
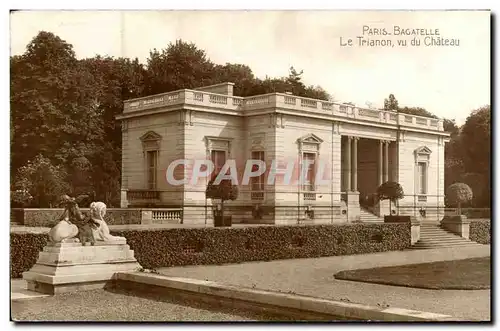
348, 164
354, 181
380, 161
395, 163
386, 161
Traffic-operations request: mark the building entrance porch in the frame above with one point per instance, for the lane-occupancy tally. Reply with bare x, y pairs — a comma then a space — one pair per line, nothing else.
366, 164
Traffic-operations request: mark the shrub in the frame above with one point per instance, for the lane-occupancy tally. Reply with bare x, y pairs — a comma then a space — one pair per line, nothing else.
24, 250
198, 246
224, 191
391, 191
480, 231
458, 193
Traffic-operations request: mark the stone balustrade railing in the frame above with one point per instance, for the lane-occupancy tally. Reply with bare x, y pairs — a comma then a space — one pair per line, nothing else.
166, 214
281, 101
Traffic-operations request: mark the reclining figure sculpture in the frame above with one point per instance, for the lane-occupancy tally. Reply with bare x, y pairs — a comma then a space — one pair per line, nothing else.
73, 223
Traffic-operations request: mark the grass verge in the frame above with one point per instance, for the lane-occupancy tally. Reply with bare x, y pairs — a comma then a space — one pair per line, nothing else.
467, 274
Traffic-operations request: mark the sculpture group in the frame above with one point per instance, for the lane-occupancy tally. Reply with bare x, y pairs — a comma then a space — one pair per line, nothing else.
88, 228
65, 264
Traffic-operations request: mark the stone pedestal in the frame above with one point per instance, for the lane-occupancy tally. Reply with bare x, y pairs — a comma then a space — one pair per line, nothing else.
382, 208
456, 224
353, 209
415, 230
123, 199
68, 267
146, 217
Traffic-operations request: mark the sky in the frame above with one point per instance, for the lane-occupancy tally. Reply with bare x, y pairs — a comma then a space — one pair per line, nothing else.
449, 81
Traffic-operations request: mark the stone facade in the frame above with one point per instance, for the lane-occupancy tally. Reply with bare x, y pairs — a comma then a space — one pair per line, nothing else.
360, 148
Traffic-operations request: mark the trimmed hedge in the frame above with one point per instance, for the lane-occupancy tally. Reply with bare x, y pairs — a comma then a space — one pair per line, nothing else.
198, 246
479, 231
24, 249
50, 216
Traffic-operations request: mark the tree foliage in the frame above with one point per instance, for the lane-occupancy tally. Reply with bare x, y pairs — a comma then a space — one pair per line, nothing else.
64, 109
39, 183
391, 191
458, 194
391, 103
223, 191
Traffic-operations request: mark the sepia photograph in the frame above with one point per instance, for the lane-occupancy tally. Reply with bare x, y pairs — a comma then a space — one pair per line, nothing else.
250, 166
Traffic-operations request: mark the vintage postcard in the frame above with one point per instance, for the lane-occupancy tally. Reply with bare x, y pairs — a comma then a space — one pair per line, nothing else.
250, 165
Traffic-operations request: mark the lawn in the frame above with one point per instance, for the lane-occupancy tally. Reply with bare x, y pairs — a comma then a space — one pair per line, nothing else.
468, 274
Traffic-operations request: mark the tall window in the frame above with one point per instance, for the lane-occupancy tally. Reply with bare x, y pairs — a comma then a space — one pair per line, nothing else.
309, 160
218, 158
422, 178
258, 182
152, 163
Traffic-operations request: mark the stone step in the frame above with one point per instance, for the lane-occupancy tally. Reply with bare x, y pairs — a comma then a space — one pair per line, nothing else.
438, 247
436, 242
433, 234
466, 243
440, 236
450, 235
441, 244
440, 239
435, 247
438, 232
431, 229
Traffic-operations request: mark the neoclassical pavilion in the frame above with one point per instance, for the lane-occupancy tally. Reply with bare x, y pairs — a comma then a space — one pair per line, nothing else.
360, 148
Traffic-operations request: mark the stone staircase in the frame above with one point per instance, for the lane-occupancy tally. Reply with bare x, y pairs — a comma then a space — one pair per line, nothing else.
433, 236
367, 216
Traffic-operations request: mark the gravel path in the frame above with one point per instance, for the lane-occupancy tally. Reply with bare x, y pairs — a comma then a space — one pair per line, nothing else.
100, 305
315, 277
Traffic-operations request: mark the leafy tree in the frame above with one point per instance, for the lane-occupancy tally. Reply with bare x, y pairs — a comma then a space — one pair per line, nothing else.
50, 103
457, 194
475, 138
391, 191
40, 183
417, 111
224, 191
181, 65
64, 108
118, 79
80, 175
453, 162
391, 103
475, 152
106, 177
